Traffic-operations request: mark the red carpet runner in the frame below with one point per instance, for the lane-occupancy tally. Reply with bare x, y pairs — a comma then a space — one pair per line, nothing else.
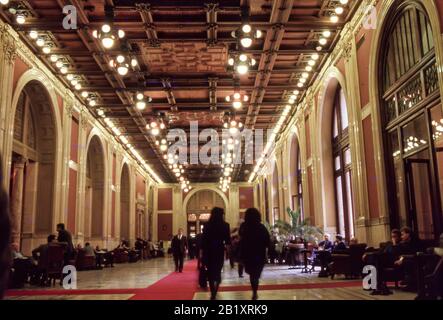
175, 286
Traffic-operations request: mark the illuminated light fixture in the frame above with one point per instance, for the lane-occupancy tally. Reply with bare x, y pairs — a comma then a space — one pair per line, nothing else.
315, 56
308, 68
46, 50
85, 94
33, 34
237, 100
326, 33
20, 18
101, 113
241, 63
333, 18
323, 41
4, 2
107, 35
155, 127
246, 34
78, 86
339, 10
40, 42
64, 70
53, 58
122, 64
141, 101
70, 77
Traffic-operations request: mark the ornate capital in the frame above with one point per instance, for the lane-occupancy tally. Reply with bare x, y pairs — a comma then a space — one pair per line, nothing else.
347, 51
9, 46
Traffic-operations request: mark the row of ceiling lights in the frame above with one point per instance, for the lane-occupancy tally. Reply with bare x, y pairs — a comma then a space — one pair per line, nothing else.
121, 64
303, 78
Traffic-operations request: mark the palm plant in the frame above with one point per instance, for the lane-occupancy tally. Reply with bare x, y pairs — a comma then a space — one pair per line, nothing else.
298, 227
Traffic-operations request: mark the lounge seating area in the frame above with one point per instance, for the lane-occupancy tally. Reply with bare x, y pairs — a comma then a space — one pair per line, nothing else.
399, 263
45, 266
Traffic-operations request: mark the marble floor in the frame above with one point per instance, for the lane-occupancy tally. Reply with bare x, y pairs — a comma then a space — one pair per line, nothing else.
124, 281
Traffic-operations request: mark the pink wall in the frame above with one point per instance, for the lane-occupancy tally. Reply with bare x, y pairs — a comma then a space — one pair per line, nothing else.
164, 199
311, 212
19, 69
363, 40
165, 227
140, 187
246, 197
308, 138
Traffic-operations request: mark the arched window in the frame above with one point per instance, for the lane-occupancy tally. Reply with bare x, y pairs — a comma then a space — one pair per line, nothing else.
412, 119
342, 166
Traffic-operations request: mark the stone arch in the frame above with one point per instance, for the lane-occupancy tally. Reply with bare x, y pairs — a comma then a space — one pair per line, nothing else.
125, 189
33, 153
383, 14
293, 156
195, 190
275, 196
95, 184
334, 80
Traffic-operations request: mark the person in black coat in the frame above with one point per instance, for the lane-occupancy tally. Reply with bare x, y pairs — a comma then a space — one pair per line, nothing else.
65, 236
254, 240
179, 246
216, 235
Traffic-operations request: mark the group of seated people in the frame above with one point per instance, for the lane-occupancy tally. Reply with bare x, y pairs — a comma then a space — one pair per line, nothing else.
405, 259
50, 258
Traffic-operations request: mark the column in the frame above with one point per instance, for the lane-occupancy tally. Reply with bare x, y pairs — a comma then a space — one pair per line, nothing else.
17, 198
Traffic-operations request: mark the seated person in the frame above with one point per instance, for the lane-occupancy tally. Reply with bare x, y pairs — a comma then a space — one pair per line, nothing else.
104, 257
326, 244
407, 249
40, 254
89, 251
339, 244
22, 266
353, 241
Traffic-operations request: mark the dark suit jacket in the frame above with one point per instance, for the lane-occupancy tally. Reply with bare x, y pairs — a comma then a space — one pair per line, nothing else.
65, 236
179, 246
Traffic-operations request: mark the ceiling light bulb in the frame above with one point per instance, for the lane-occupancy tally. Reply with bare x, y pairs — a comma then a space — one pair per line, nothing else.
246, 28
231, 61
237, 104
92, 103
258, 34
64, 70
107, 42
74, 82
4, 2
141, 105
33, 34
95, 34
334, 19
121, 34
78, 86
326, 33
242, 69
323, 41
100, 112
243, 57
85, 94
155, 131
237, 95
69, 77
308, 68
162, 126
46, 50
120, 59
20, 18
122, 70
315, 56
106, 28
339, 10
53, 58
134, 62
246, 42
153, 124
40, 42
163, 147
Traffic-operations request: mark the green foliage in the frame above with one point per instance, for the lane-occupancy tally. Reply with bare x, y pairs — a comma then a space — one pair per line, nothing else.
298, 227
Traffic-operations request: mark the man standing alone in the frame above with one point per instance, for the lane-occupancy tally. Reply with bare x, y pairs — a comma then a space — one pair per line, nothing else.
179, 245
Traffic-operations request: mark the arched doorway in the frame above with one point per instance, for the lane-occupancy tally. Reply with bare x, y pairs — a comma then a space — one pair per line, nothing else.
198, 209
296, 176
275, 195
412, 119
124, 203
94, 193
32, 177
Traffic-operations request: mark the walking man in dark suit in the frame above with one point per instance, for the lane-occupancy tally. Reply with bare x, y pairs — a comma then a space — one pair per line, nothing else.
179, 246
